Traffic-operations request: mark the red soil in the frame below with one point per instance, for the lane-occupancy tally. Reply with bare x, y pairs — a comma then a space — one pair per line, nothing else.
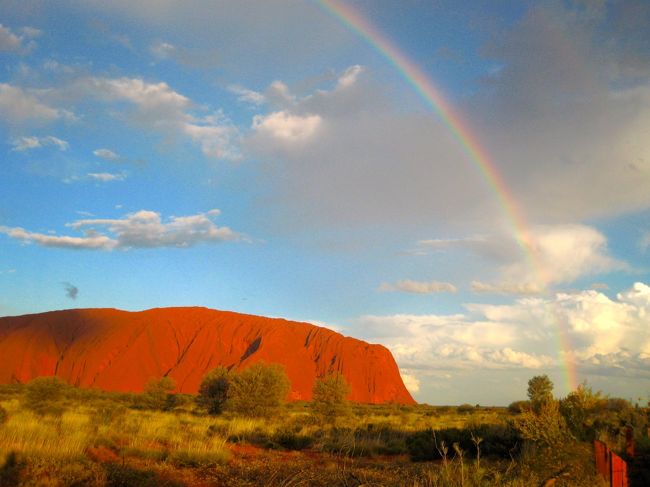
119, 350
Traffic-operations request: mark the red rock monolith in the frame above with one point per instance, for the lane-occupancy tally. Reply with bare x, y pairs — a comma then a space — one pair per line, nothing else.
120, 351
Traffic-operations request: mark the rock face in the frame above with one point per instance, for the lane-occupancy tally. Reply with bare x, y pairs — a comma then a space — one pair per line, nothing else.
119, 350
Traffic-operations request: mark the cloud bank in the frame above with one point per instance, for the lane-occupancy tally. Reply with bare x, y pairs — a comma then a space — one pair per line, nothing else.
142, 229
608, 336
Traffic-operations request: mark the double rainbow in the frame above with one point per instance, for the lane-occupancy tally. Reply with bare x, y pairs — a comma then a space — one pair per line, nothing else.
432, 96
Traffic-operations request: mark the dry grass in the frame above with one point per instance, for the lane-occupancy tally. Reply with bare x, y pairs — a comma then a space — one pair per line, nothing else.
103, 439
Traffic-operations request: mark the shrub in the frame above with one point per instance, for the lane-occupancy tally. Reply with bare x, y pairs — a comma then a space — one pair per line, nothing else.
465, 408
546, 426
519, 407
4, 415
581, 409
422, 446
329, 397
213, 391
589, 414
158, 394
44, 395
258, 390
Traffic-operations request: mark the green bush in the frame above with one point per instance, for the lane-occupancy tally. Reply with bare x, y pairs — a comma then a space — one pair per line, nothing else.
258, 390
213, 391
329, 398
158, 395
45, 395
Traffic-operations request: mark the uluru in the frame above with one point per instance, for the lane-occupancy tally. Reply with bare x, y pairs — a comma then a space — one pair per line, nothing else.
118, 350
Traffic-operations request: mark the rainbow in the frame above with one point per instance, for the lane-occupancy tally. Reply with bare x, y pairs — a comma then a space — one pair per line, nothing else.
432, 96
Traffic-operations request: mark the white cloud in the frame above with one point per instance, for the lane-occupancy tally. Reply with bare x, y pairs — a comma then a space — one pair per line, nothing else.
164, 110
18, 105
33, 142
279, 93
295, 119
248, 96
106, 177
554, 254
157, 103
638, 295
8, 40
566, 252
427, 342
86, 242
216, 136
419, 287
162, 50
349, 77
287, 127
411, 382
507, 288
21, 43
348, 147
607, 336
107, 154
142, 229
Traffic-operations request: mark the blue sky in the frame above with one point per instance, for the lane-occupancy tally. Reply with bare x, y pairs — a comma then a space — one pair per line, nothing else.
262, 157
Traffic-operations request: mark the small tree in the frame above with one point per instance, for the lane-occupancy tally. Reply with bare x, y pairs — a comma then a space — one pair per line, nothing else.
158, 393
213, 391
329, 397
258, 390
540, 391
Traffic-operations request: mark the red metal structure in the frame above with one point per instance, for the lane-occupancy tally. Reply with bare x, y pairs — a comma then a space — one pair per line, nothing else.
608, 464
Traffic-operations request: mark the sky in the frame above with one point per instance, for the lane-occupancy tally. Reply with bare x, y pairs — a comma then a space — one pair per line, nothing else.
466, 183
